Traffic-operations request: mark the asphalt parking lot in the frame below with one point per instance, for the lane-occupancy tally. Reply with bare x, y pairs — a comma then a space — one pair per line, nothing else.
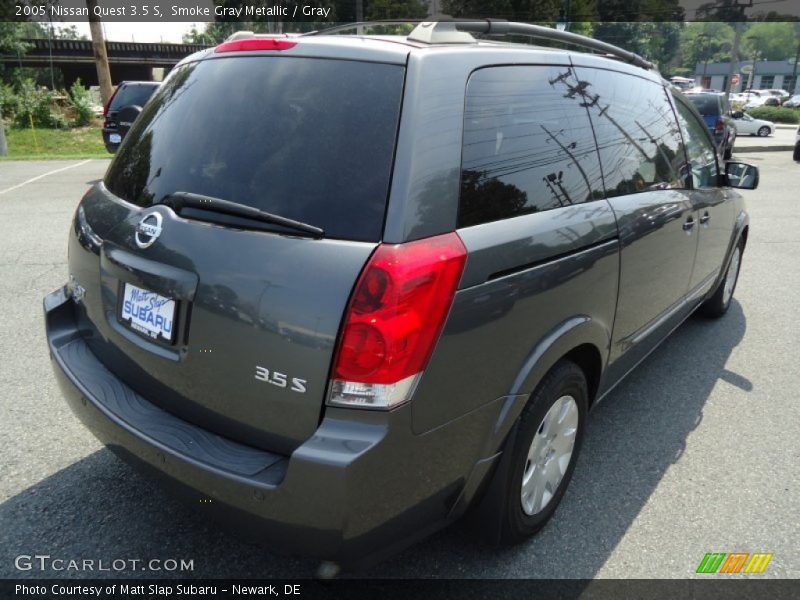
697, 451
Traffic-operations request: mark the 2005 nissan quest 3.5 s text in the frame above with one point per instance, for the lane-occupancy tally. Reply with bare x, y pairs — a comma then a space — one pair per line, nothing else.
351, 288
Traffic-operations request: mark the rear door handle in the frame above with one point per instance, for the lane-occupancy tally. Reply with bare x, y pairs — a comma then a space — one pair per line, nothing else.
689, 224
705, 219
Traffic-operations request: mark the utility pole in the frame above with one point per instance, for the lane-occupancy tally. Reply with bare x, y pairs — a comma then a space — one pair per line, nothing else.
100, 54
794, 71
704, 37
733, 69
751, 80
736, 39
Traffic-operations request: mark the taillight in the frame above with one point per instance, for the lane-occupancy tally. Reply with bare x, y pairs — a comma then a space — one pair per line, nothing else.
394, 320
110, 100
720, 126
255, 44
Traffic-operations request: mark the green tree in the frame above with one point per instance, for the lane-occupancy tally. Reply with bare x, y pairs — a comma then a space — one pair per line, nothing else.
394, 9
68, 33
703, 41
540, 11
770, 41
657, 42
728, 11
199, 36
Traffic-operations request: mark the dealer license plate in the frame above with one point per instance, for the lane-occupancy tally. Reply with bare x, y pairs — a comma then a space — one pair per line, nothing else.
114, 138
148, 313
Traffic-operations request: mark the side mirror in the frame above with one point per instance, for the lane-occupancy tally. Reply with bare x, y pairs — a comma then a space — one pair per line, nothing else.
741, 175
738, 114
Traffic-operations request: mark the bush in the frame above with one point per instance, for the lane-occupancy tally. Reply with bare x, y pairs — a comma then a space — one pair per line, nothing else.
35, 104
775, 114
8, 102
80, 100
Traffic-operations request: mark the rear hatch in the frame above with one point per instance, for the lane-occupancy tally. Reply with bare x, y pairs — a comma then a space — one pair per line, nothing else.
221, 317
128, 94
708, 106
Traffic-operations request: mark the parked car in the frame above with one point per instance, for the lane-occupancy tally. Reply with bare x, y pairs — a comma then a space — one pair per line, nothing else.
123, 108
750, 94
755, 102
747, 125
342, 291
793, 102
716, 113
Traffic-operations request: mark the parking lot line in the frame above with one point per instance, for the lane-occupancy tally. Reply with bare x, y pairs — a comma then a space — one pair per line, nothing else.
53, 172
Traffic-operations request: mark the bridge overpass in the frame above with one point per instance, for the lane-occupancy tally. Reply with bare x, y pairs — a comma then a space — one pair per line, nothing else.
75, 58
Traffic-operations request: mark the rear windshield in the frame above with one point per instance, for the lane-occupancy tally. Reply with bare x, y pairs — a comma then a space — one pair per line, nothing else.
305, 138
706, 105
132, 94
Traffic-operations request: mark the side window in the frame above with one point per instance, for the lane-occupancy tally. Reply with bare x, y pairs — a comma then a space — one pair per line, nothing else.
637, 135
526, 148
699, 149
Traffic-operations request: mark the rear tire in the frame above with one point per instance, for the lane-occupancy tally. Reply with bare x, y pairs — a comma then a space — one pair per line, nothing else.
549, 437
718, 304
763, 131
726, 155
796, 155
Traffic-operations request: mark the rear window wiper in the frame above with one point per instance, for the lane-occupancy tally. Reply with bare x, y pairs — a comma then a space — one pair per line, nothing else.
180, 200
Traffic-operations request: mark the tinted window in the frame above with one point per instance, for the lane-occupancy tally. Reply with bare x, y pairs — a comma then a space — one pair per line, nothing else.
308, 139
699, 149
705, 105
526, 148
637, 135
132, 94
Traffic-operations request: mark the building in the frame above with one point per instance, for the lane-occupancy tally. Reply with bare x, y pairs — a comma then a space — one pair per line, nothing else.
766, 74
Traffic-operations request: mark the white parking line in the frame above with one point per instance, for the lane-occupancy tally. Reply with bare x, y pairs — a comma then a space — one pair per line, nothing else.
32, 179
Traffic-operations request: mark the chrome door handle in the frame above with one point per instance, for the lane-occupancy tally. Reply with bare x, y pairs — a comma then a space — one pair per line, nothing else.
689, 224
705, 219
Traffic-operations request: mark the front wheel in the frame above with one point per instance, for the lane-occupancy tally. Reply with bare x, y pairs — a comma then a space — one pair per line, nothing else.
764, 131
796, 155
718, 304
549, 436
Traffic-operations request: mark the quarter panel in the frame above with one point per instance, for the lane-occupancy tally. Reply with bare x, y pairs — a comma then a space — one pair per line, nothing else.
497, 322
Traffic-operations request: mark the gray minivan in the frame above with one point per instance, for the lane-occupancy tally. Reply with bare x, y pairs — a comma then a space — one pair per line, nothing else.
346, 289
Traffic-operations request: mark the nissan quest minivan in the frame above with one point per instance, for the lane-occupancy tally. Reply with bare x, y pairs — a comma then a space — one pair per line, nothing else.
347, 289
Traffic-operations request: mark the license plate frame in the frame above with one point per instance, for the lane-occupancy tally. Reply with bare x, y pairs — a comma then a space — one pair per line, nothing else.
147, 313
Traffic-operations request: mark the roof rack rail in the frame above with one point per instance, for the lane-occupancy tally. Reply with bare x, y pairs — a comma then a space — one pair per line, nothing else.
503, 27
359, 24
448, 31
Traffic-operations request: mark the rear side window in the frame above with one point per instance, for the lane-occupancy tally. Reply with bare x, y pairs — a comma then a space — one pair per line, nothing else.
132, 94
526, 147
705, 105
308, 139
637, 135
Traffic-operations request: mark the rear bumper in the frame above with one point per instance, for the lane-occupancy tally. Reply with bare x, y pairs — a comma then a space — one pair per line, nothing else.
355, 489
111, 147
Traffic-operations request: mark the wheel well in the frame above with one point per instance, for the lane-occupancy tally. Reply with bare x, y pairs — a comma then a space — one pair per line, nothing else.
588, 358
744, 236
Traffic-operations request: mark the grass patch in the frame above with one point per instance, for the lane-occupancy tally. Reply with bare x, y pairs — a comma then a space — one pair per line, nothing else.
80, 142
